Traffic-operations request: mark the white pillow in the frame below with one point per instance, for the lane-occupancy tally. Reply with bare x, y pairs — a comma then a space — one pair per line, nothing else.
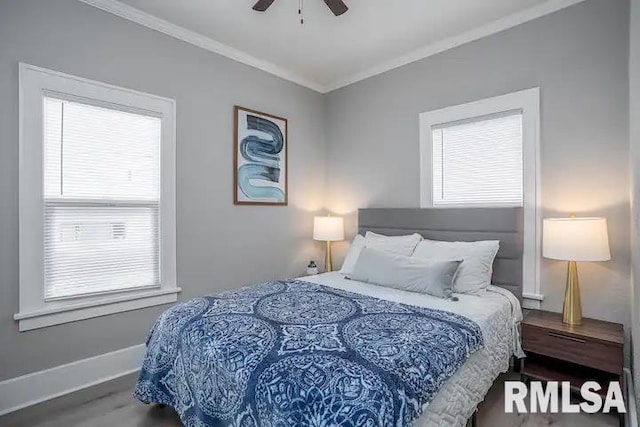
474, 274
401, 245
425, 276
352, 256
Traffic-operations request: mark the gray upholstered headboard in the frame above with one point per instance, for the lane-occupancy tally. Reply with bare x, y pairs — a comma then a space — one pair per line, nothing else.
459, 224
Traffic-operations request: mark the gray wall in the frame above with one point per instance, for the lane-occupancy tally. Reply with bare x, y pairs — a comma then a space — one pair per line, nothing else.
579, 58
219, 245
634, 115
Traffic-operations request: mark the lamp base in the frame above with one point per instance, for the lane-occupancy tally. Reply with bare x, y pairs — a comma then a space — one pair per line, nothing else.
572, 309
328, 268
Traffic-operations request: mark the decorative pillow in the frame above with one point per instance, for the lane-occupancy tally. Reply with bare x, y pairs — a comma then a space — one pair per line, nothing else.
401, 245
474, 274
431, 277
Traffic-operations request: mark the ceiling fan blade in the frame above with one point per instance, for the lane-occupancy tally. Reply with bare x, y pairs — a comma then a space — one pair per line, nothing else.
263, 5
337, 6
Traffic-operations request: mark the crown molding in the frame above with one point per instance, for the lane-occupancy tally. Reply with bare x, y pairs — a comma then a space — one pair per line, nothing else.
449, 43
150, 21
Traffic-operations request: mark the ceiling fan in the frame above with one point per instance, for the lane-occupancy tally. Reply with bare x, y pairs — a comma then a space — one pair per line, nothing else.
337, 6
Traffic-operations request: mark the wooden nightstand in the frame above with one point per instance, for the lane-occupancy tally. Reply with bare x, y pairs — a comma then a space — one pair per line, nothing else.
557, 352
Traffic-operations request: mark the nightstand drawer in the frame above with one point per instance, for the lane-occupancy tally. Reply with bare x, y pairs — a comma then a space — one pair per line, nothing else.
571, 348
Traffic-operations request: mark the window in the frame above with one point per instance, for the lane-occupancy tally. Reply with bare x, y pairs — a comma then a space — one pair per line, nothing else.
483, 154
479, 161
97, 223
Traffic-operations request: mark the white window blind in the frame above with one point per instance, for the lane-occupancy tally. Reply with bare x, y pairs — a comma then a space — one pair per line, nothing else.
102, 187
479, 161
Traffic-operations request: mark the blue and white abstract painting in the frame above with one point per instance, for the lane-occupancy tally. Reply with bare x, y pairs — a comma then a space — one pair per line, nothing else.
261, 158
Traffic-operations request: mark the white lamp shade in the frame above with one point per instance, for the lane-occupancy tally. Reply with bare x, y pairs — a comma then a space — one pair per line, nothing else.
328, 228
576, 239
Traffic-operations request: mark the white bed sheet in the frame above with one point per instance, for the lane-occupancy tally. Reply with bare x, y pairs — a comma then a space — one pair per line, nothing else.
497, 312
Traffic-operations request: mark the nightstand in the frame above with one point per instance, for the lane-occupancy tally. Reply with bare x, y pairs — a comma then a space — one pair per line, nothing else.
592, 351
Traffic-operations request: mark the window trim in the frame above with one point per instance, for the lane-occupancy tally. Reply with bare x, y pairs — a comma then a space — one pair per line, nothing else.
34, 312
528, 101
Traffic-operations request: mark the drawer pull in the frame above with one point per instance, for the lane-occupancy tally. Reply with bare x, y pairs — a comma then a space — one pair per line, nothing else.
565, 337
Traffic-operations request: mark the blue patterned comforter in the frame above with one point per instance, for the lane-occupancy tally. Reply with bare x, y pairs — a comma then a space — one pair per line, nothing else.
293, 353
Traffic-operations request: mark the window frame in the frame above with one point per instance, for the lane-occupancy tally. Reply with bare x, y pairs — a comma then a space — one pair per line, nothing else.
528, 101
34, 312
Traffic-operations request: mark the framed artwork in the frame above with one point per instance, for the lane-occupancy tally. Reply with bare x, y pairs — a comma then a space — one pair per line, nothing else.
260, 158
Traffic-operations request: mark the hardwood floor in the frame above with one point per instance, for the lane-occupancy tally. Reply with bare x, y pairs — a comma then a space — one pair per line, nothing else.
111, 405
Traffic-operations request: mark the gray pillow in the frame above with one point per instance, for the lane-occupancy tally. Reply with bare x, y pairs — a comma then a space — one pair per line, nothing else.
425, 276
476, 270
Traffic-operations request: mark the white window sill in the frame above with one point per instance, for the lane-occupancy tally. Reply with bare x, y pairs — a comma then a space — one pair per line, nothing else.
532, 301
116, 304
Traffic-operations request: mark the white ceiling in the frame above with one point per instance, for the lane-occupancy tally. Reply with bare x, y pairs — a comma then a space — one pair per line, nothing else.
327, 51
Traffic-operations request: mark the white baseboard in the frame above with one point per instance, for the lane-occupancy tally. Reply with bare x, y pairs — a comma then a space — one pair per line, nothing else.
20, 392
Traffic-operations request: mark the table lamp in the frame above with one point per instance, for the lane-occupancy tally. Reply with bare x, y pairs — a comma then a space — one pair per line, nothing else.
328, 229
575, 239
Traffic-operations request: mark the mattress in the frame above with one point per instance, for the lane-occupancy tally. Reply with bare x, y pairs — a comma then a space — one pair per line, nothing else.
497, 312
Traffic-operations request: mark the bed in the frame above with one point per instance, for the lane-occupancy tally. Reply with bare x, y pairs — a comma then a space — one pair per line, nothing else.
306, 351
497, 313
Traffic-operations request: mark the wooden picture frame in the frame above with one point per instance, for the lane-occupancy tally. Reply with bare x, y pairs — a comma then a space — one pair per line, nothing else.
261, 161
